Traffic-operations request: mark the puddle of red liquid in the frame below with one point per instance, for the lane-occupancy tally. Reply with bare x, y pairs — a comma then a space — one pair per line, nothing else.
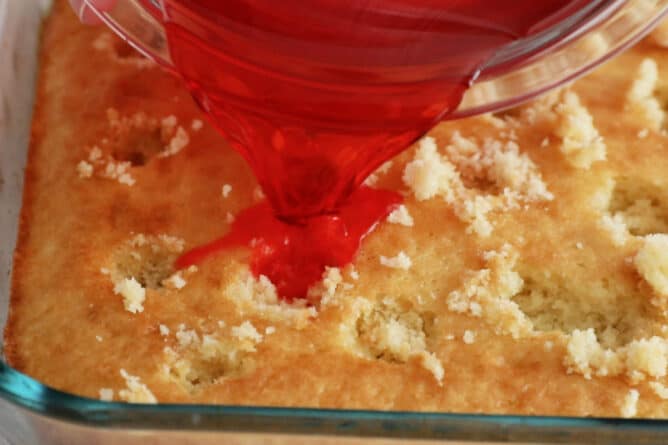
294, 256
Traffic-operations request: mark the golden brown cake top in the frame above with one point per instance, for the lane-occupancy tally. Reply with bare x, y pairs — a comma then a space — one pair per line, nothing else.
526, 273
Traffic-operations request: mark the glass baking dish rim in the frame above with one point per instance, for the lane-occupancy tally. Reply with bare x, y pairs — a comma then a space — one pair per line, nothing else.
29, 394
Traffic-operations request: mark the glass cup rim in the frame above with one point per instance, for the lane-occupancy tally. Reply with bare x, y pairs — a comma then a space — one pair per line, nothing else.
617, 26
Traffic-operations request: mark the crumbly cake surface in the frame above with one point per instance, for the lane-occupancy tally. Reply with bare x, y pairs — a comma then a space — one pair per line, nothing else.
527, 272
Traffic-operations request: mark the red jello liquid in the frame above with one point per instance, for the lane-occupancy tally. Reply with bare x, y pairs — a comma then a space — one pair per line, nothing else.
316, 94
293, 256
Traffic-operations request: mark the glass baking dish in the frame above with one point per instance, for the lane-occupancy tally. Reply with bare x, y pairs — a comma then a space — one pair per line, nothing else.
31, 413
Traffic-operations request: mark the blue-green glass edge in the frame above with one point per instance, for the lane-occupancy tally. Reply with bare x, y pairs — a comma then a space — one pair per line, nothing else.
29, 394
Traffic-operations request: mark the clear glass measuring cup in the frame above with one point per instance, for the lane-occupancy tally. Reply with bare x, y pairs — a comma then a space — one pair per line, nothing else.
315, 106
571, 49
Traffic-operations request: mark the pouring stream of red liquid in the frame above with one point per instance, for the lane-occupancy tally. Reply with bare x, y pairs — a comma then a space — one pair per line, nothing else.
317, 94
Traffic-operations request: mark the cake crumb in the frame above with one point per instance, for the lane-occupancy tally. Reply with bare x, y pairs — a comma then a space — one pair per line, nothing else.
432, 364
401, 216
136, 391
175, 281
196, 125
221, 324
652, 263
373, 178
164, 330
246, 331
178, 142
331, 279
637, 359
647, 356
499, 163
509, 168
585, 354
85, 169
582, 145
429, 174
548, 345
169, 123
616, 227
172, 243
94, 154
468, 337
642, 134
104, 271
659, 389
133, 294
327, 287
118, 171
105, 165
385, 167
401, 261
106, 394
269, 330
186, 337
226, 190
210, 347
511, 172
640, 98
474, 212
139, 240
487, 293
99, 338
630, 404
579, 245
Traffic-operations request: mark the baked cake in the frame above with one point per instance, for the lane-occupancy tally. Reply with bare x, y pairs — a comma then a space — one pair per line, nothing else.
526, 273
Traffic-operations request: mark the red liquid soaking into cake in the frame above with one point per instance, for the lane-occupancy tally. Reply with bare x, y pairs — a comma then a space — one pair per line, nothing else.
316, 94
292, 255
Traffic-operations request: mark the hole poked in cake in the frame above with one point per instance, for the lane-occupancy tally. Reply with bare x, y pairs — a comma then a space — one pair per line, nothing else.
496, 167
132, 141
616, 314
509, 177
197, 361
194, 370
642, 206
147, 259
138, 147
473, 164
391, 331
138, 138
120, 51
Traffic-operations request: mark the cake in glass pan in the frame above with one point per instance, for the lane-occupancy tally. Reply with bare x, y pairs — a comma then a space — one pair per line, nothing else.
526, 271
